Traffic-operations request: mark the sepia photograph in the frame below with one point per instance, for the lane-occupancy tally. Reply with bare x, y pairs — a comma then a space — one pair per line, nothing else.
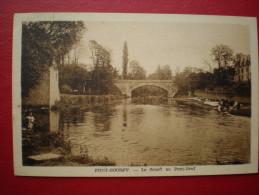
134, 95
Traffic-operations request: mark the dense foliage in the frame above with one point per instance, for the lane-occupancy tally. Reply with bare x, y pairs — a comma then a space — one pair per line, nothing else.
43, 43
222, 77
194, 78
72, 78
103, 73
161, 73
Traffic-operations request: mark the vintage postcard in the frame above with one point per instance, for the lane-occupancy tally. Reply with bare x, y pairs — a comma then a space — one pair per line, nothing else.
111, 95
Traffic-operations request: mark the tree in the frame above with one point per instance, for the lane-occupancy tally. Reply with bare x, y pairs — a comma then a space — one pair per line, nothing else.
73, 76
188, 80
125, 60
137, 72
77, 51
204, 80
161, 73
222, 54
103, 73
103, 70
223, 76
43, 42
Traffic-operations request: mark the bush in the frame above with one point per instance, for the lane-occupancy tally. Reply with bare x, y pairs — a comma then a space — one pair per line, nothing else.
66, 89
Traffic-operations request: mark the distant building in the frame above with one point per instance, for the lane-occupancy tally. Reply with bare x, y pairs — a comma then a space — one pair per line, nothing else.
243, 68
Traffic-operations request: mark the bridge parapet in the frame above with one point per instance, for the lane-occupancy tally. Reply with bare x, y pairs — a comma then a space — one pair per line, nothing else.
143, 81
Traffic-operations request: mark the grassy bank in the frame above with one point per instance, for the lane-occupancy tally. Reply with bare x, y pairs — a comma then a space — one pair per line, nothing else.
53, 142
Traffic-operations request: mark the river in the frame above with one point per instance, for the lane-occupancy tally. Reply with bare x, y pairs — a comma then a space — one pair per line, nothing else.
154, 132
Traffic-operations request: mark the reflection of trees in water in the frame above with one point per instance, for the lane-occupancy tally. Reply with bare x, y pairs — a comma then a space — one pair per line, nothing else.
102, 117
193, 108
150, 100
137, 116
72, 116
164, 102
124, 116
166, 112
41, 123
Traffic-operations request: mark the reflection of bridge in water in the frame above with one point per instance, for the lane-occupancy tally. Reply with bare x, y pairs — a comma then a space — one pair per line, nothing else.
127, 86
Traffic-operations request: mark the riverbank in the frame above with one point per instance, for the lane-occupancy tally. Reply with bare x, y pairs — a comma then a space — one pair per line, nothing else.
200, 102
219, 95
86, 101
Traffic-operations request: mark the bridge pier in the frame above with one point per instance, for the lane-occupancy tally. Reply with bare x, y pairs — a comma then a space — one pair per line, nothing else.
128, 92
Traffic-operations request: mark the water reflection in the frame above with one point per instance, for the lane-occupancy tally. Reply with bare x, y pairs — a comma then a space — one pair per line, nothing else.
54, 121
125, 117
45, 121
71, 117
102, 118
154, 132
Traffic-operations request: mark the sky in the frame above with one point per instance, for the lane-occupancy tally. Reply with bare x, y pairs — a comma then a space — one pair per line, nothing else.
163, 43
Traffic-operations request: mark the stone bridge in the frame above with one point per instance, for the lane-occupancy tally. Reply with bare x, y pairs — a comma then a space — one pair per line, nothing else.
127, 86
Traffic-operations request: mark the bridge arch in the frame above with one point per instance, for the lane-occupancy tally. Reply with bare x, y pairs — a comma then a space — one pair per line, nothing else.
127, 86
149, 89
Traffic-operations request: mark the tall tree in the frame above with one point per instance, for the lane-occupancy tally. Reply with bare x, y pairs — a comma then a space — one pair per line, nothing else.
103, 70
125, 60
43, 42
222, 54
136, 72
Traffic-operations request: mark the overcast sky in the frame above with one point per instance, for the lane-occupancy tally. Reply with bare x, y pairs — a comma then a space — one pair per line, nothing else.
175, 44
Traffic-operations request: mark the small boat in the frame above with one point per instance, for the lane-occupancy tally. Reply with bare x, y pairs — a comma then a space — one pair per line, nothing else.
211, 103
191, 98
198, 99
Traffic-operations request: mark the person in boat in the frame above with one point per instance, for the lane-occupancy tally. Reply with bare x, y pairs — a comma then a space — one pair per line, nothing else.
223, 106
235, 106
220, 105
228, 105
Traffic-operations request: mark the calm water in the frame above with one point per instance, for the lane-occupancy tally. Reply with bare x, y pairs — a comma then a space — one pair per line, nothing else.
156, 132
